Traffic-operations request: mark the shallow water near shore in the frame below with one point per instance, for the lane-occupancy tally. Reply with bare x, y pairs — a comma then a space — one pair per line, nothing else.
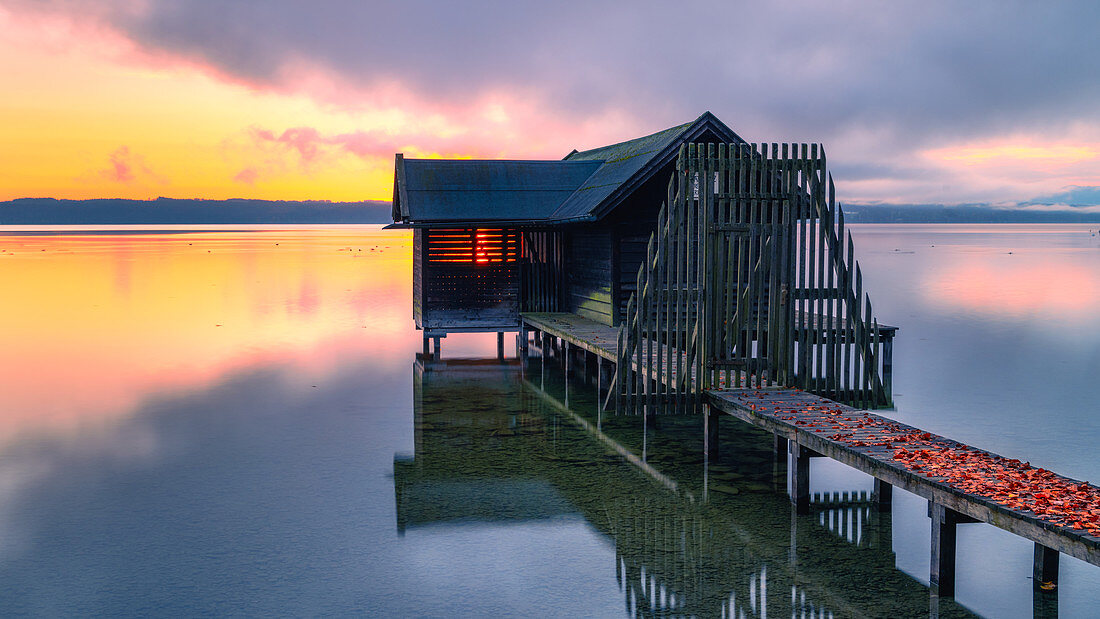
235, 421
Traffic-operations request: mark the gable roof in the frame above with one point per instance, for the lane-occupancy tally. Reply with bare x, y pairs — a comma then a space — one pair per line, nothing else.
584, 186
627, 165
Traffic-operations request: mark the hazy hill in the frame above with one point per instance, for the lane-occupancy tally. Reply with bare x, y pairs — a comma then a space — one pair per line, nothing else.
172, 211
49, 211
969, 213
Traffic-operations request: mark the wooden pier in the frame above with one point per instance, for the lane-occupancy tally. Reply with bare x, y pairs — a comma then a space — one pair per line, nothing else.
962, 483
746, 300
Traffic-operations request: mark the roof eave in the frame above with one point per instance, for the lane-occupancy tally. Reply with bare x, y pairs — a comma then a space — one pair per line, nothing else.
474, 223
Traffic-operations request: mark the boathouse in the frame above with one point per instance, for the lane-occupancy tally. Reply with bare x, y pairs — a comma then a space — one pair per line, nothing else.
687, 258
493, 238
706, 275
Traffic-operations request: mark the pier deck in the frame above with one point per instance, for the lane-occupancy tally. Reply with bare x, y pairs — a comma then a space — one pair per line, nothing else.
598, 339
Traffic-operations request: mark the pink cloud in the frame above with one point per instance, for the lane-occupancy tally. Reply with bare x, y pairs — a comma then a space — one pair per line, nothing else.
128, 168
248, 176
312, 146
121, 171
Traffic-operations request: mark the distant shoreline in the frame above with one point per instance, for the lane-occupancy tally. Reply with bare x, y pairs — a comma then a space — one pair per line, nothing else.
172, 211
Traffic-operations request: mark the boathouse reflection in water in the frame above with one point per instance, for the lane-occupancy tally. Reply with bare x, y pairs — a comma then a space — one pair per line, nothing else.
697, 530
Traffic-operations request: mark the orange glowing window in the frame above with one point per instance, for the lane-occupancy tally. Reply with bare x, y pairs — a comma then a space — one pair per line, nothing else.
473, 245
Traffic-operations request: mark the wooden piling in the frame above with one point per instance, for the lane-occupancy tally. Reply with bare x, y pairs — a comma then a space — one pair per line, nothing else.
798, 477
1045, 572
883, 496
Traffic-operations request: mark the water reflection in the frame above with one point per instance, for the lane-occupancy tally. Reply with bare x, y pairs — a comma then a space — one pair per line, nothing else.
739, 552
102, 322
153, 462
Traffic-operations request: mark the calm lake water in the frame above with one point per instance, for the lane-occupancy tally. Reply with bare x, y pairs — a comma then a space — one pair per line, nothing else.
233, 421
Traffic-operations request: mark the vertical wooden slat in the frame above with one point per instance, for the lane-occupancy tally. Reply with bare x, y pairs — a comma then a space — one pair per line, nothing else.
788, 272
855, 316
877, 396
817, 193
689, 270
619, 370
660, 294
647, 337
710, 293
626, 357
830, 283
733, 269
811, 277
682, 202
669, 253
803, 276
754, 308
774, 268
849, 330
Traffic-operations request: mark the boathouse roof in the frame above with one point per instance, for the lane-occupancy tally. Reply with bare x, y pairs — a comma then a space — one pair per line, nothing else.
584, 186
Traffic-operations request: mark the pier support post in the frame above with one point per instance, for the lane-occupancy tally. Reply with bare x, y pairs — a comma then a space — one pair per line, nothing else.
882, 496
798, 477
500, 346
942, 568
435, 345
1045, 582
427, 349
1046, 565
942, 576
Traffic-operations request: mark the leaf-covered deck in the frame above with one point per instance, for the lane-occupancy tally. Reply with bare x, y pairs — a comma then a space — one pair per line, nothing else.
1058, 512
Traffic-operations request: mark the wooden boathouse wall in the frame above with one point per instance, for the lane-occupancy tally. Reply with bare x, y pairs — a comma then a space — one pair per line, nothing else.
750, 281
466, 277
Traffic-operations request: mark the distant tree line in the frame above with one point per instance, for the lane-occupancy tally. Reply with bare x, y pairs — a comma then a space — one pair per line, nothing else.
961, 214
49, 211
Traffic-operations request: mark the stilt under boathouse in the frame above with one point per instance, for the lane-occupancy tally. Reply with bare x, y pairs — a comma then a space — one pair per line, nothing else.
697, 273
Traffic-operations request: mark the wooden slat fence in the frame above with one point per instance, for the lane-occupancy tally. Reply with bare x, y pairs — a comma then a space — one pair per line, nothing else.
544, 275
749, 281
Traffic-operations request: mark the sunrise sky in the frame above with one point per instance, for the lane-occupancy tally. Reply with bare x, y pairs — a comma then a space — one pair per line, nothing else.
916, 102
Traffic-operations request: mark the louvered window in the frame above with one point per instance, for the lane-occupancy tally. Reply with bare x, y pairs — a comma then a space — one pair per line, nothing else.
473, 246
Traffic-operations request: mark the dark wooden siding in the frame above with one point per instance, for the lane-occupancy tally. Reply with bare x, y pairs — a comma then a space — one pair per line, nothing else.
470, 279
418, 277
589, 273
543, 271
632, 248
